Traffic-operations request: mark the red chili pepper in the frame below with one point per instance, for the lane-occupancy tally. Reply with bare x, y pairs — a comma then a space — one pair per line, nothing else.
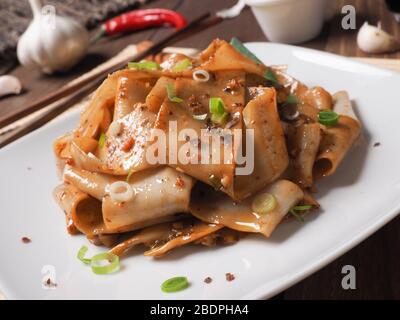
141, 19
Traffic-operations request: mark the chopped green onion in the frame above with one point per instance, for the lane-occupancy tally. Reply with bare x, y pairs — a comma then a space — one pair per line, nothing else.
102, 140
328, 118
291, 99
128, 177
264, 203
144, 65
200, 116
175, 284
297, 216
81, 255
215, 182
182, 65
98, 268
240, 47
112, 266
217, 105
300, 208
171, 93
219, 118
217, 110
269, 75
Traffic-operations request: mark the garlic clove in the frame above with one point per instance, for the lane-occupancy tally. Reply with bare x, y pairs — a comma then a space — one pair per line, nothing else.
372, 39
9, 85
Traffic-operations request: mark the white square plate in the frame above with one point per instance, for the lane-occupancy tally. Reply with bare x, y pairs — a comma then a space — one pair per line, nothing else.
361, 197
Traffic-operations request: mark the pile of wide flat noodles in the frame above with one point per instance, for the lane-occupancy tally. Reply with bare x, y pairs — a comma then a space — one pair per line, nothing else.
176, 203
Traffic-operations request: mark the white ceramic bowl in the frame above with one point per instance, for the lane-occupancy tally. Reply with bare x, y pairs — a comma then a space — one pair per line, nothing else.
289, 21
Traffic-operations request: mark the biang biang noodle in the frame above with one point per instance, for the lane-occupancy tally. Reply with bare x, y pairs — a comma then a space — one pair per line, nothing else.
114, 194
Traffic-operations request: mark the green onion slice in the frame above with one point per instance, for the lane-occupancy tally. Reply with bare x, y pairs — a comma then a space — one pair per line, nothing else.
144, 65
269, 75
112, 266
217, 105
328, 118
128, 177
200, 116
219, 118
81, 255
182, 65
240, 47
171, 93
175, 284
300, 208
217, 110
264, 203
297, 216
102, 140
291, 99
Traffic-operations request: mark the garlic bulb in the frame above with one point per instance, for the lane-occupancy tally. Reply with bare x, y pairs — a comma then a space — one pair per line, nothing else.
51, 43
371, 39
9, 85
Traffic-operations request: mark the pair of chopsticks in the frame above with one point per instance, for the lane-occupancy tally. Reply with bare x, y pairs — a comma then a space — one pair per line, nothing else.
78, 89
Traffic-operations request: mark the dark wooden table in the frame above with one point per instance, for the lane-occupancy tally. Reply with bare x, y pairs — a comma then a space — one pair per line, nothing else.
377, 260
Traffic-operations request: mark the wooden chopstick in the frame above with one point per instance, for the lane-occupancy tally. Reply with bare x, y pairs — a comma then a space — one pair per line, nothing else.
86, 81
49, 115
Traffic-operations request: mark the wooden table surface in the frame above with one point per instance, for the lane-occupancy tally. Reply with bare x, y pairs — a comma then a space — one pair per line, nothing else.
377, 260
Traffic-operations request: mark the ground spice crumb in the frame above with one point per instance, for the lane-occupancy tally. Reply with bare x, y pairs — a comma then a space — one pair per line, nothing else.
49, 283
229, 276
177, 225
208, 280
26, 240
377, 144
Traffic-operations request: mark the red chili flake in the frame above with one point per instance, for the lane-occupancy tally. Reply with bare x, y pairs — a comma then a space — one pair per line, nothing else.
208, 280
229, 276
179, 182
26, 240
128, 144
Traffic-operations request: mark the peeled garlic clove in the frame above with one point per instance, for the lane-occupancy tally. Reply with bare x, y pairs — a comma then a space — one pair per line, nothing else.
371, 39
9, 85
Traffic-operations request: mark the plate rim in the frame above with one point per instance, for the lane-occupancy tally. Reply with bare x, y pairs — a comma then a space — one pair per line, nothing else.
346, 245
